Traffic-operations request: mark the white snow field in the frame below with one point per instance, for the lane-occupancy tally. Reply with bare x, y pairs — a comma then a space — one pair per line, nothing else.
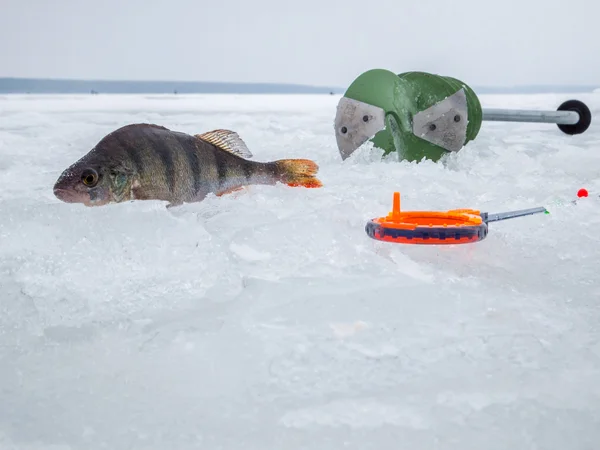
268, 319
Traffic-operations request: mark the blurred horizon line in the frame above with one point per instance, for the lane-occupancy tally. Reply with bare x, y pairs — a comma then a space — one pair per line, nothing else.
27, 85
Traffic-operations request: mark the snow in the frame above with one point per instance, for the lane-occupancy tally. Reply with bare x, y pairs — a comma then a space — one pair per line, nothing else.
269, 320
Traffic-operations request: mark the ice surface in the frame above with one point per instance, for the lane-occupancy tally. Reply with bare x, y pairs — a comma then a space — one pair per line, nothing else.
269, 320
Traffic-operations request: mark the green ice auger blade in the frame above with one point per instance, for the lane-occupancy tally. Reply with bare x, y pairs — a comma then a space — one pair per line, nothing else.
432, 114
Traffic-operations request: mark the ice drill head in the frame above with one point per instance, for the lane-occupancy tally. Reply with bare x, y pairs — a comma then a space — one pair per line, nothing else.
361, 111
355, 123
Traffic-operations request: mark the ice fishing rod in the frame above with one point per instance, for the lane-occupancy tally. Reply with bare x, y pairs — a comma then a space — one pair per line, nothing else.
457, 226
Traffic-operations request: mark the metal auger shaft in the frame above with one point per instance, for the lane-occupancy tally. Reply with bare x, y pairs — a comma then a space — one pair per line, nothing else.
516, 115
572, 117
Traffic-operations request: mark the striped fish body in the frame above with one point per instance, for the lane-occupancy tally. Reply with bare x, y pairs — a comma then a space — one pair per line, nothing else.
151, 162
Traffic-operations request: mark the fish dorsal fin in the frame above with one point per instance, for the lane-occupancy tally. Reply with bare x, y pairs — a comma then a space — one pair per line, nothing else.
226, 140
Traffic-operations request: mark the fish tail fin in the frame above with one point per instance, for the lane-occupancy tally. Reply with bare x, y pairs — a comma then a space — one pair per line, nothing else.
298, 172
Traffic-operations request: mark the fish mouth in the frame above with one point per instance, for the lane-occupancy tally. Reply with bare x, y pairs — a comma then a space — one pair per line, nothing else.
68, 196
355, 123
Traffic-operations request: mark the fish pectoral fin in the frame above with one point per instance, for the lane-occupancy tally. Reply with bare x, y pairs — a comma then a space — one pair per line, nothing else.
226, 140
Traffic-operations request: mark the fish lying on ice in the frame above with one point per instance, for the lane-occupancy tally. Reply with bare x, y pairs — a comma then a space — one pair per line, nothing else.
151, 162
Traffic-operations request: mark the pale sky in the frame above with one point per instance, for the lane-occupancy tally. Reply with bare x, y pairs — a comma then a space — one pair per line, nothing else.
319, 42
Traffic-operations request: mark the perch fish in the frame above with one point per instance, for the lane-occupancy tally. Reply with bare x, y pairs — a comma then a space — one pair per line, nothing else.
151, 162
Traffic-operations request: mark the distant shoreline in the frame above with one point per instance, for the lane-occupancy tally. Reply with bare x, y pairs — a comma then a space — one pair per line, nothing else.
65, 86
12, 85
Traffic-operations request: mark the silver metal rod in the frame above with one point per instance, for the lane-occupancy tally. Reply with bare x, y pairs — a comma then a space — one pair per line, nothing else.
511, 214
519, 115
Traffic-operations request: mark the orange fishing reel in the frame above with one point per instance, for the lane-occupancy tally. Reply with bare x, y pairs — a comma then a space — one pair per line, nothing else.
457, 226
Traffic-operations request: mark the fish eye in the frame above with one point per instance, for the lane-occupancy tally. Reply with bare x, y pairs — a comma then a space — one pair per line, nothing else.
89, 177
344, 130
365, 118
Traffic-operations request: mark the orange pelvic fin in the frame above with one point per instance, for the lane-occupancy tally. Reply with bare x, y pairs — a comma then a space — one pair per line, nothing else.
231, 191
